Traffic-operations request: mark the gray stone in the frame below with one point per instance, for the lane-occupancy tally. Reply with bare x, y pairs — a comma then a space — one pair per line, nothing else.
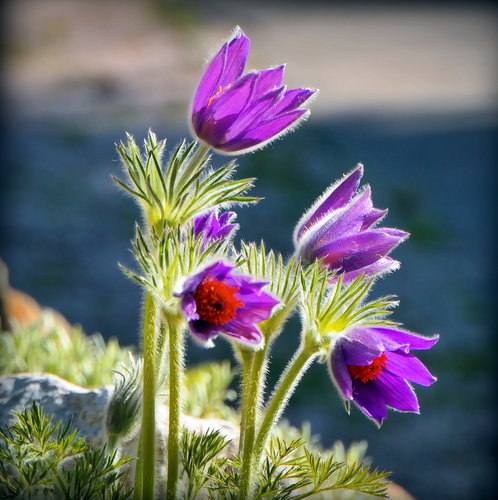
87, 408
59, 398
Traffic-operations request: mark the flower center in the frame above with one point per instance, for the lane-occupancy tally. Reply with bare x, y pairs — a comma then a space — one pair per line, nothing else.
220, 90
216, 301
369, 372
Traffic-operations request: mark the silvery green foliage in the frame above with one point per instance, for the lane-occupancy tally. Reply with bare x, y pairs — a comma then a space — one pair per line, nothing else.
44, 346
207, 388
44, 461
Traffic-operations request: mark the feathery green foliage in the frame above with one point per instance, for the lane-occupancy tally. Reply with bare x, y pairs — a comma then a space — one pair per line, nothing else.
198, 451
44, 461
291, 470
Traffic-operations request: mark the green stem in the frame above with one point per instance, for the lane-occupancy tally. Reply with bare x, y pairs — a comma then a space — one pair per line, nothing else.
251, 403
148, 430
288, 381
176, 381
139, 470
247, 359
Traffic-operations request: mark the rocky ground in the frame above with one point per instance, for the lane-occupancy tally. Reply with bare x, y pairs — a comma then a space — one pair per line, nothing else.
408, 90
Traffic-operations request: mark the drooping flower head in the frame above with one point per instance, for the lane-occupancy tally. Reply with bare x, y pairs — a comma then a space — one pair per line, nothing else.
212, 227
235, 112
340, 228
218, 301
373, 366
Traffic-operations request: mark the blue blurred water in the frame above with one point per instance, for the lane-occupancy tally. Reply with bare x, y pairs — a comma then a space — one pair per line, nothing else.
66, 225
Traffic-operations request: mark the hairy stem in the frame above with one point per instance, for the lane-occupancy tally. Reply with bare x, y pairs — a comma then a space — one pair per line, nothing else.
148, 430
176, 382
139, 470
251, 402
247, 359
289, 379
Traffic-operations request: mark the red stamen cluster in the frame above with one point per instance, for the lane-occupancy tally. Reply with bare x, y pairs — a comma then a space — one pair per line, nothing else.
216, 301
369, 372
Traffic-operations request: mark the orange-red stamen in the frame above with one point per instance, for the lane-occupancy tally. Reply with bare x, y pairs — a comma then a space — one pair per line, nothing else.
220, 90
216, 301
369, 372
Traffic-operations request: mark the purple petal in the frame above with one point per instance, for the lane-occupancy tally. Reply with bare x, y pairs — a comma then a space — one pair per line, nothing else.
350, 220
291, 100
336, 196
372, 218
356, 251
378, 268
218, 270
236, 57
370, 400
227, 65
403, 337
256, 308
226, 231
245, 332
189, 307
396, 393
339, 371
269, 79
203, 331
219, 116
340, 223
265, 132
396, 233
360, 347
409, 367
226, 217
201, 222
251, 116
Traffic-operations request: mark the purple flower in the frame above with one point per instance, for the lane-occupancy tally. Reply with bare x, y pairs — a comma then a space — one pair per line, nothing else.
372, 367
235, 112
340, 229
217, 301
212, 227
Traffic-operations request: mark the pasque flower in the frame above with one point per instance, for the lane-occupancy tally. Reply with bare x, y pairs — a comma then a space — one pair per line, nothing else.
235, 112
212, 227
373, 367
340, 228
218, 301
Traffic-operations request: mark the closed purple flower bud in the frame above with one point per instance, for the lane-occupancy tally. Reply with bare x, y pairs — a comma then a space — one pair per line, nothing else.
235, 112
217, 301
373, 366
211, 227
340, 229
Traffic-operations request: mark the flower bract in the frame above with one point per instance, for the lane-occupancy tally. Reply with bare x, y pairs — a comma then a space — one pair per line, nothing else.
340, 228
218, 301
373, 367
235, 112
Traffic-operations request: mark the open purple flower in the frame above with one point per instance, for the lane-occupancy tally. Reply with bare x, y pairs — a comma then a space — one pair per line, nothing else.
372, 367
212, 227
235, 112
340, 229
218, 301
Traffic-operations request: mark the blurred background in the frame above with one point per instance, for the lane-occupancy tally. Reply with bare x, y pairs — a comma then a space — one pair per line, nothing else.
408, 89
